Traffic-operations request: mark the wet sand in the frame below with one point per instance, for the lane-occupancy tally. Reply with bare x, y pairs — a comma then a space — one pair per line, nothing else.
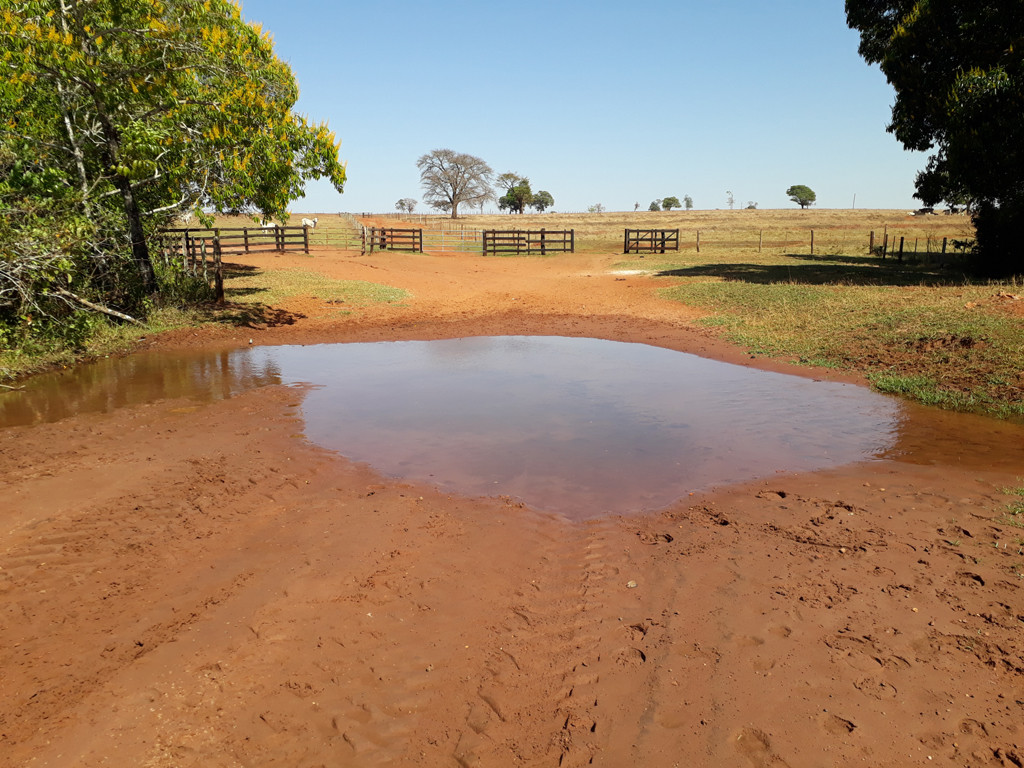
198, 585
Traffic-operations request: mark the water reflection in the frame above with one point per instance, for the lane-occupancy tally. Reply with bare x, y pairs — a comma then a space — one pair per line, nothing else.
105, 385
579, 426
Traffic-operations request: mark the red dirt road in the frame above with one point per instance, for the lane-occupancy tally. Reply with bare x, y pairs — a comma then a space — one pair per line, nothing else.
186, 585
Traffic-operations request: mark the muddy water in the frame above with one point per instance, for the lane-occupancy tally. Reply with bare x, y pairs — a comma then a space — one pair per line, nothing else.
583, 427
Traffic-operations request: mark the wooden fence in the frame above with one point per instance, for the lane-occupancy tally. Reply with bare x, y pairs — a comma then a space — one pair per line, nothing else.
199, 258
540, 241
650, 240
238, 239
947, 251
388, 239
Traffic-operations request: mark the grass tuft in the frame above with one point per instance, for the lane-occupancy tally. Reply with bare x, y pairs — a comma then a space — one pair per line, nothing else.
275, 287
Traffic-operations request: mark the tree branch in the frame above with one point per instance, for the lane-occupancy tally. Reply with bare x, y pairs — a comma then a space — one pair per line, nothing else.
98, 307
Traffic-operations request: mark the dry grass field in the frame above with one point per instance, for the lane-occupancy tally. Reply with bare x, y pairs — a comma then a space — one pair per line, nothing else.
846, 231
774, 231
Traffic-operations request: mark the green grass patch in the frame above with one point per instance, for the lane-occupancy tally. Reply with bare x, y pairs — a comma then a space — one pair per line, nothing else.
274, 287
915, 332
1015, 509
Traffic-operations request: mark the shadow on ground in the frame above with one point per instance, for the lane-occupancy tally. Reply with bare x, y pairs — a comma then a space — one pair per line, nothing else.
827, 270
248, 314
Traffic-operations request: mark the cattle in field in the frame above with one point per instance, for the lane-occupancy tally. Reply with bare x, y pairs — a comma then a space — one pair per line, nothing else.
311, 223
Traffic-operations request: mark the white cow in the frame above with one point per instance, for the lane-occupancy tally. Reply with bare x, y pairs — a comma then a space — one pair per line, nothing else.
311, 223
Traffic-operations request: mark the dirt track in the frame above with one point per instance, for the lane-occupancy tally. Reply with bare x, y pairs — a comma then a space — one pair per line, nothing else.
199, 586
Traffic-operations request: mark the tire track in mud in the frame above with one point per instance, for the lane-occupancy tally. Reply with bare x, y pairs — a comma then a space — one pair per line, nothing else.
540, 695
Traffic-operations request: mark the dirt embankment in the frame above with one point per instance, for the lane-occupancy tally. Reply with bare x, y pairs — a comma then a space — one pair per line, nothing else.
189, 585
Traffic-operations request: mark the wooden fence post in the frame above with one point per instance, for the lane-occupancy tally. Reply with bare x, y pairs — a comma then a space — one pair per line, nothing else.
871, 243
812, 242
218, 274
698, 241
760, 240
305, 239
245, 237
901, 248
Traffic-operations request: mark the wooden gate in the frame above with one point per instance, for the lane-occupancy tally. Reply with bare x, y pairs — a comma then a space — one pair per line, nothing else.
540, 241
388, 239
650, 240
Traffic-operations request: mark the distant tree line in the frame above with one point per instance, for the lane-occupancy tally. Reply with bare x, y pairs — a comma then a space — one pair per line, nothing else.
450, 179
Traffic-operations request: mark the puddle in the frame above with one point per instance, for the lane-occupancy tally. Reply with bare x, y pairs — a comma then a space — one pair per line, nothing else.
582, 427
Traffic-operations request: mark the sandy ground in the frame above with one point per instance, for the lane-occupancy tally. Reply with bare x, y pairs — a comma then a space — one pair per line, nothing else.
186, 585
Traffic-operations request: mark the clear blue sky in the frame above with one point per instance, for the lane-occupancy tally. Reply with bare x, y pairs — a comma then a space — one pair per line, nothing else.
597, 102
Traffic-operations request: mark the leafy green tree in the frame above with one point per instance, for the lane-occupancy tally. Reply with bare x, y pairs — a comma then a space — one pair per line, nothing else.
802, 195
596, 208
542, 200
116, 116
655, 205
668, 203
958, 72
450, 179
517, 195
688, 202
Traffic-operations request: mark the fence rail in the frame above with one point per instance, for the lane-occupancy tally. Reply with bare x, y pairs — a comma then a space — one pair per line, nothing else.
390, 239
528, 241
650, 240
452, 240
234, 240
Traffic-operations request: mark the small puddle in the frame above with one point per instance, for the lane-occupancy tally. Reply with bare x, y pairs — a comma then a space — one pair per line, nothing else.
582, 427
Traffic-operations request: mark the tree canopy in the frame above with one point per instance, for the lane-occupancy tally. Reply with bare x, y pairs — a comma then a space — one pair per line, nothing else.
120, 115
542, 200
958, 72
450, 179
517, 195
802, 195
668, 203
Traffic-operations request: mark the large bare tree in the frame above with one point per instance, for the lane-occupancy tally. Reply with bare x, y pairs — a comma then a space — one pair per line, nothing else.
452, 178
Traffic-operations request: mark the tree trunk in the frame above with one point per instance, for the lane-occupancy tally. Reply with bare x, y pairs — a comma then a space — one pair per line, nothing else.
140, 249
